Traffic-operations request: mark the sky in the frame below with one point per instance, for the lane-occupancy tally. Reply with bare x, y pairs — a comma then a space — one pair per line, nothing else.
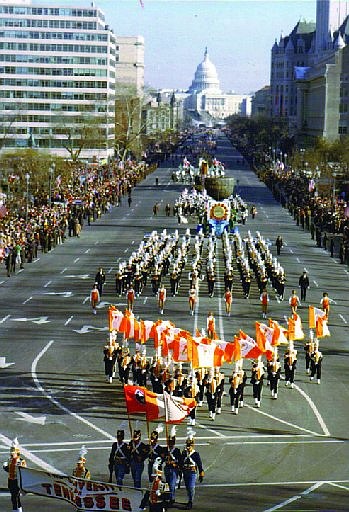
239, 35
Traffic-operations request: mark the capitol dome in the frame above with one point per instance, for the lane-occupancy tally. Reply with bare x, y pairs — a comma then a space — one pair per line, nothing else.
206, 78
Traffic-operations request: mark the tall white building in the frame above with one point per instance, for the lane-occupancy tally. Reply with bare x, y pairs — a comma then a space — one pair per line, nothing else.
57, 71
130, 61
205, 99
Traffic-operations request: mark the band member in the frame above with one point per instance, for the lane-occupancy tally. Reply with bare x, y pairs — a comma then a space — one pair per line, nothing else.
191, 465
325, 303
211, 394
15, 460
158, 495
309, 348
125, 365
179, 384
130, 295
228, 297
274, 373
192, 390
211, 326
110, 355
174, 282
172, 464
264, 298
138, 454
154, 450
257, 377
219, 377
161, 299
80, 470
290, 364
119, 458
192, 300
236, 391
294, 302
94, 298
315, 365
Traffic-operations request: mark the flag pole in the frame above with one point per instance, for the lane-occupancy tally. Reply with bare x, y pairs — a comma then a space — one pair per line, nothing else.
166, 420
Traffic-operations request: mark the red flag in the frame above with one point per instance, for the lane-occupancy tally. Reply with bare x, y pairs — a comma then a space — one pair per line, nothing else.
135, 397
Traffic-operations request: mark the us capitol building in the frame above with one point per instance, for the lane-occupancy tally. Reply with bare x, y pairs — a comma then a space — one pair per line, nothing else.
204, 102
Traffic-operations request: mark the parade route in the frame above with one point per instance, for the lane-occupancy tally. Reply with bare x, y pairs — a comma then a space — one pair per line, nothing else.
290, 454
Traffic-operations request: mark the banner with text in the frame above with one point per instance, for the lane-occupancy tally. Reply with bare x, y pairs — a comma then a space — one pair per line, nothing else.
84, 495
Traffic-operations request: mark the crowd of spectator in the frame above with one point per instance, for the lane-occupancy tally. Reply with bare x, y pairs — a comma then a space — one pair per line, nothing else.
325, 217
39, 223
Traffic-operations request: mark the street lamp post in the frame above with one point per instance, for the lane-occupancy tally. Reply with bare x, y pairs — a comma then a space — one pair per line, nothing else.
27, 178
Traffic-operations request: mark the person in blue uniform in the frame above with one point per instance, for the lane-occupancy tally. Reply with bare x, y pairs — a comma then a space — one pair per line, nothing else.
172, 464
154, 450
191, 466
119, 458
138, 454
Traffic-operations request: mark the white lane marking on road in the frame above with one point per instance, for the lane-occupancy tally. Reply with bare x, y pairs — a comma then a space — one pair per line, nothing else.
62, 271
218, 434
145, 300
2, 282
339, 486
262, 484
295, 498
298, 260
316, 284
55, 402
343, 319
110, 270
4, 319
69, 320
21, 270
86, 299
96, 243
313, 407
87, 251
76, 260
291, 251
315, 410
30, 456
37, 420
47, 284
27, 300
35, 261
89, 328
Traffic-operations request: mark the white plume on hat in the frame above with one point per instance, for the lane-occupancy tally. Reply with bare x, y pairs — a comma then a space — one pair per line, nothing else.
83, 452
159, 428
190, 433
15, 443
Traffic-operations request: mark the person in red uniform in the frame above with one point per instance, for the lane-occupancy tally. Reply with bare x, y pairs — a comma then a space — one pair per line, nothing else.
211, 326
228, 297
325, 303
94, 298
